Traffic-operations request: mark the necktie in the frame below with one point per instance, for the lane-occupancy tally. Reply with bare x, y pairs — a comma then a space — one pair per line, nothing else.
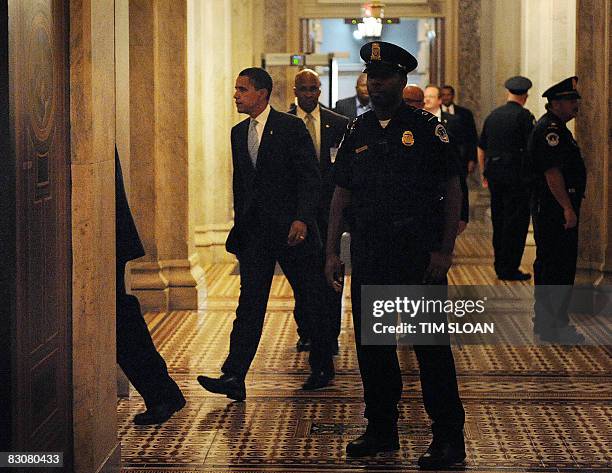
253, 141
310, 125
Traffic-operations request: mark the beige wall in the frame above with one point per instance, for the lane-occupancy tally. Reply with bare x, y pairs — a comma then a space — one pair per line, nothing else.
92, 119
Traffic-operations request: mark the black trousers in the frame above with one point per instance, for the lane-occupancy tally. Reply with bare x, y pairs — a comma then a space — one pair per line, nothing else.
136, 352
332, 300
555, 264
379, 365
510, 218
305, 275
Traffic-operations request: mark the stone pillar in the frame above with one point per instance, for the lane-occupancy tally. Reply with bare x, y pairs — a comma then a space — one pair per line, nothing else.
594, 135
169, 277
468, 85
548, 46
219, 47
92, 118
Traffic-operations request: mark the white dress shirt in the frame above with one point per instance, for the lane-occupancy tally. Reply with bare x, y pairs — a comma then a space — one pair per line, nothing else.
450, 109
262, 118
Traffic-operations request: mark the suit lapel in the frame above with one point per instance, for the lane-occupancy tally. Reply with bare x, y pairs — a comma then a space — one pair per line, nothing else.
266, 138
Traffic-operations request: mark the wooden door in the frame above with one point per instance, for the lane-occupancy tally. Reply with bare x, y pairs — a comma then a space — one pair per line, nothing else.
39, 125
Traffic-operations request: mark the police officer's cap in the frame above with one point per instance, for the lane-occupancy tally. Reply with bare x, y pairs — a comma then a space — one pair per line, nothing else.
518, 85
564, 90
379, 55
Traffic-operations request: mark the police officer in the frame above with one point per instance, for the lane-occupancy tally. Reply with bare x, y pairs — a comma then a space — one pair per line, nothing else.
502, 153
560, 187
391, 171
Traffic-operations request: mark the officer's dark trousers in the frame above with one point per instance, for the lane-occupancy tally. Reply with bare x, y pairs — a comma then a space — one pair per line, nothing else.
510, 218
555, 264
332, 300
305, 275
379, 365
136, 353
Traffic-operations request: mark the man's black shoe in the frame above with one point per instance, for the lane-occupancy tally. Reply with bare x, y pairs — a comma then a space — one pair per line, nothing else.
318, 381
514, 276
159, 413
303, 344
442, 455
232, 386
368, 445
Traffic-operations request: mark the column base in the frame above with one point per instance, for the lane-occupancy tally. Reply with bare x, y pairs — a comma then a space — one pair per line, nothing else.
169, 284
210, 243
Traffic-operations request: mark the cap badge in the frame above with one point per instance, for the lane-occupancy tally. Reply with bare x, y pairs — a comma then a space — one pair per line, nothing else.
407, 138
375, 52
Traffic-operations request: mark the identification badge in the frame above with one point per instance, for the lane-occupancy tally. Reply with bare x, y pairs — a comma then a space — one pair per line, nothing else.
407, 138
361, 149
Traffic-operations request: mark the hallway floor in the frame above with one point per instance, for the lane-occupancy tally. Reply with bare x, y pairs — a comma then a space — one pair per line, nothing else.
529, 408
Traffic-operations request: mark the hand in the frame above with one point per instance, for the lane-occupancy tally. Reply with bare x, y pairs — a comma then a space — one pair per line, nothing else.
461, 227
571, 220
438, 267
471, 166
297, 233
333, 272
485, 182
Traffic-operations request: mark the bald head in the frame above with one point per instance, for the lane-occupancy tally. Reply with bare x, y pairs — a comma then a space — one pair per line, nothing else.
307, 89
413, 96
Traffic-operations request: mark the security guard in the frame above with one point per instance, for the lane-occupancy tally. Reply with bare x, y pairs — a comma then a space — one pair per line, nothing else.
396, 175
560, 187
502, 150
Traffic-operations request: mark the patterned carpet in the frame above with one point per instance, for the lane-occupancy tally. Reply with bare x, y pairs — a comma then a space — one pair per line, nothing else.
529, 408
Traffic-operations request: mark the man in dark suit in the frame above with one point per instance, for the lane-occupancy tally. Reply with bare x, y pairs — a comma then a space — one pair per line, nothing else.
136, 353
276, 186
468, 138
433, 104
354, 106
326, 129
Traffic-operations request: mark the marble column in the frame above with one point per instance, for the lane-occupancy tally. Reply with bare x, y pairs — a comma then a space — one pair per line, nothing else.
220, 44
92, 134
548, 46
169, 276
594, 135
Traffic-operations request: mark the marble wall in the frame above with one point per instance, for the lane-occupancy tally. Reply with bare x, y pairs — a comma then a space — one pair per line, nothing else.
92, 118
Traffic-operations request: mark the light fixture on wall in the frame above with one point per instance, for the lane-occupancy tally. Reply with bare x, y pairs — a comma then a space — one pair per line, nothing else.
371, 22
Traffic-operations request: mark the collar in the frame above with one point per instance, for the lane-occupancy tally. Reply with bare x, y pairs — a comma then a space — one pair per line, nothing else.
262, 118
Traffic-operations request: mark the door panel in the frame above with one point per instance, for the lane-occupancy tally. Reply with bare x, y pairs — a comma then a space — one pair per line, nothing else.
39, 113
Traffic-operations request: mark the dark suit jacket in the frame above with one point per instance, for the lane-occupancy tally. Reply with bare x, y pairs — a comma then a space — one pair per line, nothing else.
454, 127
347, 107
333, 127
284, 186
468, 135
127, 242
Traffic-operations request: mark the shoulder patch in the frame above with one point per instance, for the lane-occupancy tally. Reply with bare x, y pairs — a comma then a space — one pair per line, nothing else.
552, 139
440, 132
